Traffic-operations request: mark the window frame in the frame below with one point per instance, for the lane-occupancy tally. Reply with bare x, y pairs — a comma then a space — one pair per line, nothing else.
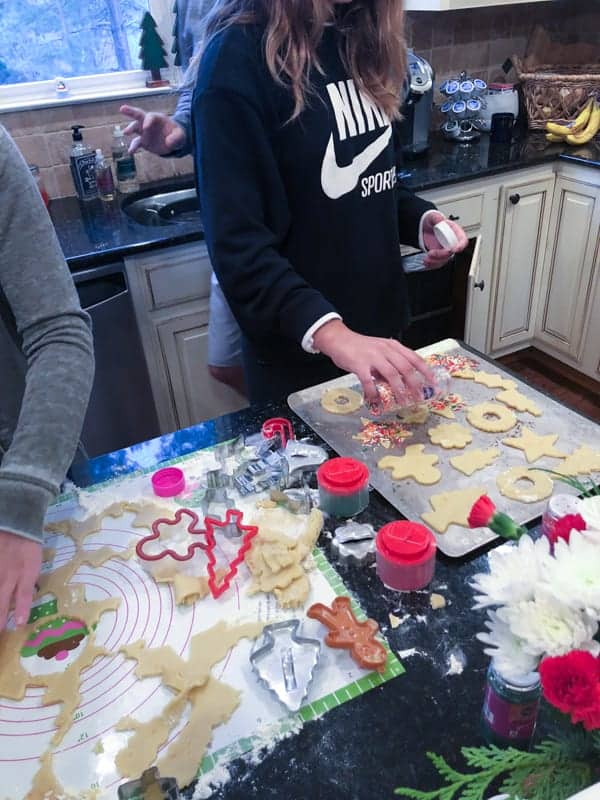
104, 86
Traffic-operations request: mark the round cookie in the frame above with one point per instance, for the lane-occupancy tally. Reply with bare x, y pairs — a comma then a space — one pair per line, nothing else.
538, 486
341, 400
491, 417
449, 435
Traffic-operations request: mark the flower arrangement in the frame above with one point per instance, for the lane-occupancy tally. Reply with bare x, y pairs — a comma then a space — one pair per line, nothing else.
542, 600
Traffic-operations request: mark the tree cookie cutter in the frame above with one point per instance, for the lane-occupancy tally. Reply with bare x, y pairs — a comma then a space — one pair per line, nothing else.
149, 787
232, 527
354, 543
285, 662
348, 633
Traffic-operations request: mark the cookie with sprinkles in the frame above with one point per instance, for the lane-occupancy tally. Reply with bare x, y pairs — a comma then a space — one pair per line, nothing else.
446, 406
455, 363
382, 433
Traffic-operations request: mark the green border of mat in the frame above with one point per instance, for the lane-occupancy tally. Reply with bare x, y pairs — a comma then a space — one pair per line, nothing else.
319, 707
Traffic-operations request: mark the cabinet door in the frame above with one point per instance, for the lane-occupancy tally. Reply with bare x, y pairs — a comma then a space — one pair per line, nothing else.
568, 273
524, 212
196, 396
475, 323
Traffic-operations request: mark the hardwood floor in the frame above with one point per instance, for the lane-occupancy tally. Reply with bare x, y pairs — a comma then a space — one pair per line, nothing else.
557, 379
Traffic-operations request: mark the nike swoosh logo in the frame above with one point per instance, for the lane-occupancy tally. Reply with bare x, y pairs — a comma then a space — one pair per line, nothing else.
338, 181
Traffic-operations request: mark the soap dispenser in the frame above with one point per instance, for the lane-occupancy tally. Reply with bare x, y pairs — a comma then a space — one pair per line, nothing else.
83, 166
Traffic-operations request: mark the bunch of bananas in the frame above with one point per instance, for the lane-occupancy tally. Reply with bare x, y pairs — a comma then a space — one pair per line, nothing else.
581, 130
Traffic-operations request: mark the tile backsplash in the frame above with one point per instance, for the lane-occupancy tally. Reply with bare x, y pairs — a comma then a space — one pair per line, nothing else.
477, 40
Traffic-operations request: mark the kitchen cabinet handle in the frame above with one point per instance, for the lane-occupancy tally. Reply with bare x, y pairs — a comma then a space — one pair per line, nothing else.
453, 217
479, 285
515, 198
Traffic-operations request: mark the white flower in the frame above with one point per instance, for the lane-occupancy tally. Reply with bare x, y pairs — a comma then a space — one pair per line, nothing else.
515, 569
546, 626
589, 508
573, 575
507, 650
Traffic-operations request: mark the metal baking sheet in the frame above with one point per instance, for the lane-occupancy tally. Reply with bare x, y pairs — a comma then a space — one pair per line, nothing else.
410, 498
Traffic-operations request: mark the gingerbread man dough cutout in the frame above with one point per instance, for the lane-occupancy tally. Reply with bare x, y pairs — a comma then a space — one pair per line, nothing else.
413, 464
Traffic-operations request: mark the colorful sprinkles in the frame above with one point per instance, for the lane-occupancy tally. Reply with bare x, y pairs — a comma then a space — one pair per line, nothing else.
446, 406
452, 363
386, 434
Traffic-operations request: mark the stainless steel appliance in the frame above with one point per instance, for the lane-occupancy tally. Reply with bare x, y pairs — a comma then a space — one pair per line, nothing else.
121, 410
416, 123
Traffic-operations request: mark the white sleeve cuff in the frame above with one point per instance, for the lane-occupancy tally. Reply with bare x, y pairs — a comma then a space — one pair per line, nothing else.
421, 225
307, 339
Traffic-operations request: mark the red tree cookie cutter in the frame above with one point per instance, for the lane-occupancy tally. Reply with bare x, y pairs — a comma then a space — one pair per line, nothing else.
232, 517
346, 632
192, 529
278, 426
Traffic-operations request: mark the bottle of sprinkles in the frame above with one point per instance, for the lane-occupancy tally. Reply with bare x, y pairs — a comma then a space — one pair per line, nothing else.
510, 709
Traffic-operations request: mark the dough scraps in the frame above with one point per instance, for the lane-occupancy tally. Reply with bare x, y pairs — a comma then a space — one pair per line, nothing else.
525, 485
450, 435
341, 400
189, 589
275, 559
493, 380
413, 464
446, 406
415, 415
491, 418
534, 445
581, 461
385, 433
514, 399
474, 460
451, 508
45, 785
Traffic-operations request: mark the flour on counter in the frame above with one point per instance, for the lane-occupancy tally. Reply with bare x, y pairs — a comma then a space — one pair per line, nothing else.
456, 662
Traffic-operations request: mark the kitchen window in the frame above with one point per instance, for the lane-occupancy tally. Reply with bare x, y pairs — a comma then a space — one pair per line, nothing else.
92, 45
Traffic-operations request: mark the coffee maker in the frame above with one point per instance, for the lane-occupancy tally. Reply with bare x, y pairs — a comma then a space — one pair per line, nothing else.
417, 109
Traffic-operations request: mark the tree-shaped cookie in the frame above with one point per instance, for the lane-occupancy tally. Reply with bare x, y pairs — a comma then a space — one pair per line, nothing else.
152, 52
534, 445
474, 460
413, 464
451, 508
514, 399
582, 461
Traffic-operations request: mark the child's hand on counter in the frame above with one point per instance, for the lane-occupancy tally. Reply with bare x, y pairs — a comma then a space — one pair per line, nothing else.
21, 565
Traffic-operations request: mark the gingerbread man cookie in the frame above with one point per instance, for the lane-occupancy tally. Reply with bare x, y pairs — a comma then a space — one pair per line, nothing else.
474, 460
514, 399
413, 464
535, 446
491, 418
450, 435
451, 508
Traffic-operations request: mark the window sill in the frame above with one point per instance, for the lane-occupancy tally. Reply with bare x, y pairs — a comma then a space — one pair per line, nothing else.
89, 89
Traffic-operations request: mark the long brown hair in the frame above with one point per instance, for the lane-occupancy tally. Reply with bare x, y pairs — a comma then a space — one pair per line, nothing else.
373, 47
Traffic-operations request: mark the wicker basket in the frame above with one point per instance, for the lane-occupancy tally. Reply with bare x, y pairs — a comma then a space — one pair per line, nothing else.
552, 96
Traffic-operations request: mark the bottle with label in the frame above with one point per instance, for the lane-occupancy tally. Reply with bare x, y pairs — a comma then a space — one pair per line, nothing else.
510, 709
389, 403
124, 163
104, 177
83, 166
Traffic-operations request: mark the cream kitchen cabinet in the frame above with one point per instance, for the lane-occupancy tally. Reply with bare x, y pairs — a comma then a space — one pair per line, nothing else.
170, 288
523, 222
570, 274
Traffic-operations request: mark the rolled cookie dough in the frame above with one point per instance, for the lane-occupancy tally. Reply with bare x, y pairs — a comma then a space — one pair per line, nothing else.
451, 508
525, 485
534, 445
491, 418
341, 400
474, 460
514, 399
413, 464
450, 435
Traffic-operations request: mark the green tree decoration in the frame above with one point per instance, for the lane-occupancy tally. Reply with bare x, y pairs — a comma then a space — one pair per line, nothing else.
152, 52
175, 48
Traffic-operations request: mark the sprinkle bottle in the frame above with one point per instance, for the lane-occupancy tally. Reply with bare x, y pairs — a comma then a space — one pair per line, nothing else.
389, 403
510, 709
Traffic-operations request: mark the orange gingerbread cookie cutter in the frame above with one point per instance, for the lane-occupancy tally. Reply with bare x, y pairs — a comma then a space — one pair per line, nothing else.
348, 633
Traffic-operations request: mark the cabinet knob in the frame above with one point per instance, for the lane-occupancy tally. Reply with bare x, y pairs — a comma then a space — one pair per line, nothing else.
453, 217
479, 285
515, 198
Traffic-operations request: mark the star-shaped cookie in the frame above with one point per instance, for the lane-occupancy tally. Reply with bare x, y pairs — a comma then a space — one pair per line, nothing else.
450, 435
535, 446
413, 464
451, 508
514, 399
581, 461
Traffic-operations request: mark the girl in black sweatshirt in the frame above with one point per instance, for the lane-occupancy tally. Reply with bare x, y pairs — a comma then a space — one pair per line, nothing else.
296, 169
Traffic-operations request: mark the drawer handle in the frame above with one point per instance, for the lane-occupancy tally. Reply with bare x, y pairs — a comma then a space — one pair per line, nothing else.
515, 198
479, 285
453, 217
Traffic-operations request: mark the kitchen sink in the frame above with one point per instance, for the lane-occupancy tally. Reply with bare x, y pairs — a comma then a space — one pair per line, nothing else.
166, 208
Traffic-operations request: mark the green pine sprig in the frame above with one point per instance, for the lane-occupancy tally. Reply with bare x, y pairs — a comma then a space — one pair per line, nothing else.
585, 489
552, 771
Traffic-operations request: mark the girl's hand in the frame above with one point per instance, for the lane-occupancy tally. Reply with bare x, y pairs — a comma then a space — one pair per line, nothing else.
156, 133
437, 257
370, 358
21, 564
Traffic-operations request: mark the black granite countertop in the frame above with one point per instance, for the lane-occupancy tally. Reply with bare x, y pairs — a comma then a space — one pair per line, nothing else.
95, 232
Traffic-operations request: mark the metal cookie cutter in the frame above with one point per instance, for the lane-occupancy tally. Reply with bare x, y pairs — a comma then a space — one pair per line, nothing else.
150, 787
302, 457
298, 501
285, 662
354, 543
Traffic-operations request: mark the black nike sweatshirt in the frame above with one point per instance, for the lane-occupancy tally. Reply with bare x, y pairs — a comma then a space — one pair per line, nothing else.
302, 218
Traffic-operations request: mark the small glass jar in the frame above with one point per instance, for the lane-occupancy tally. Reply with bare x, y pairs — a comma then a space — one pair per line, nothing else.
559, 505
389, 403
35, 171
405, 553
343, 487
510, 709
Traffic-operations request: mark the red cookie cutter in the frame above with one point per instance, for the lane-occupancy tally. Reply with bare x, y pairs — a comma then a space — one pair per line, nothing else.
278, 426
192, 529
232, 517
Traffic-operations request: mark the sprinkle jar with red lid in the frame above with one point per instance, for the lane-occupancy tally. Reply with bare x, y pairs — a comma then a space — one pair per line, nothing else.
405, 553
343, 486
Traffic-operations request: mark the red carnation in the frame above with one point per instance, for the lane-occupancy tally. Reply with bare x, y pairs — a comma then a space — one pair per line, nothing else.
563, 527
482, 512
590, 717
571, 683
484, 515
